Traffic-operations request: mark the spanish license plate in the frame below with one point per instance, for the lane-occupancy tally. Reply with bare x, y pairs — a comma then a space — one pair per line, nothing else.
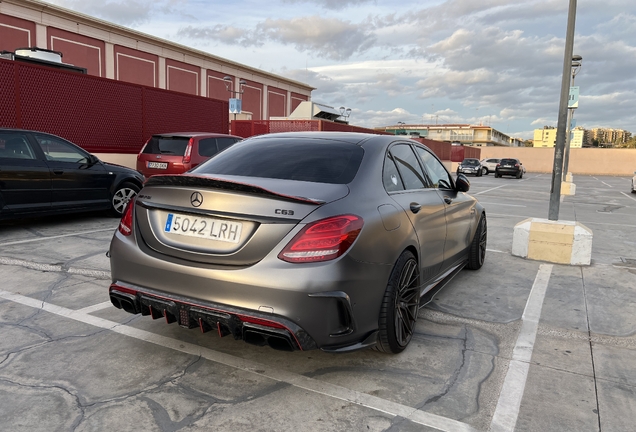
158, 165
203, 227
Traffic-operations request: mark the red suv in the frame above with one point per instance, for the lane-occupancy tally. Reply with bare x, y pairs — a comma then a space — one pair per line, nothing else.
176, 153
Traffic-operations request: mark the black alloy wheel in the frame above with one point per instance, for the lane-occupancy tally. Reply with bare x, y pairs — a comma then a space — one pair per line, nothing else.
400, 306
477, 253
484, 171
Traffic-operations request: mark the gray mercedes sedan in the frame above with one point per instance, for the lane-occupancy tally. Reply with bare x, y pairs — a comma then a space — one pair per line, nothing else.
298, 241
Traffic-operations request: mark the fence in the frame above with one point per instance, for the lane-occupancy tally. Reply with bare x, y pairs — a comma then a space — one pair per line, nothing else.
248, 128
459, 153
99, 114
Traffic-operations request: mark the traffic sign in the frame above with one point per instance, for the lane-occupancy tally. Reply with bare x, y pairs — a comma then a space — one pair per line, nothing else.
235, 106
573, 102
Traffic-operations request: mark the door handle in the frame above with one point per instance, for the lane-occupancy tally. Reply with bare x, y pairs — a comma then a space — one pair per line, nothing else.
447, 199
58, 172
415, 207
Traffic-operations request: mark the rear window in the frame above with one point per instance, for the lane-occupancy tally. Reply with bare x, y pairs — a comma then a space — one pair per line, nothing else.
167, 145
311, 160
508, 161
211, 146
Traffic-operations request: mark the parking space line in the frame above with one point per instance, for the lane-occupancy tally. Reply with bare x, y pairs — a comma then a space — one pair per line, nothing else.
507, 205
509, 403
495, 250
630, 197
55, 237
310, 384
606, 184
95, 308
99, 274
488, 190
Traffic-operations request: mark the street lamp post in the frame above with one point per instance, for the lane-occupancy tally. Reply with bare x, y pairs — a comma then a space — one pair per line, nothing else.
345, 113
555, 190
228, 86
577, 60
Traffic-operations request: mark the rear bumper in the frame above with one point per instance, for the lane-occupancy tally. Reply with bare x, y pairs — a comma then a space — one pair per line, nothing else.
507, 171
334, 306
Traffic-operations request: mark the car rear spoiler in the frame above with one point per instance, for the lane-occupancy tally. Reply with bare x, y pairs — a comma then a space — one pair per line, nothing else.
184, 180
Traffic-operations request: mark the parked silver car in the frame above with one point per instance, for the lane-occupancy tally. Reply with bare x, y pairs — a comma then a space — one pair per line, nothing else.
298, 241
634, 183
490, 164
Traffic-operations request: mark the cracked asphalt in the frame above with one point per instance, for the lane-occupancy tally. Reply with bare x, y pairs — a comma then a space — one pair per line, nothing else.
70, 361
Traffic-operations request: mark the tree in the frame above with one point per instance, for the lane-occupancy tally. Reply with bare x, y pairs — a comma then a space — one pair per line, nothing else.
528, 143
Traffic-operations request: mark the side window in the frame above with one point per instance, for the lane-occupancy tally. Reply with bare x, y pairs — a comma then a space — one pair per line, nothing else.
207, 147
224, 142
439, 175
409, 167
391, 176
15, 146
60, 151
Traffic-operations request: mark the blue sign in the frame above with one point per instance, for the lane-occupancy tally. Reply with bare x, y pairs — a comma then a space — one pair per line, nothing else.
573, 124
573, 102
235, 106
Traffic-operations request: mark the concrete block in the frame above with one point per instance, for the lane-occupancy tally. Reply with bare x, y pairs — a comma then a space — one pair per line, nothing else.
568, 188
561, 242
569, 178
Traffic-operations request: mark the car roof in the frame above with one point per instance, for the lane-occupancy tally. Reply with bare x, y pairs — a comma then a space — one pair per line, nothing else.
349, 137
194, 134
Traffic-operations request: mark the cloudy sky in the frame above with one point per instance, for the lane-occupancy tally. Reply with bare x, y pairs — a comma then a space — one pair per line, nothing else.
495, 62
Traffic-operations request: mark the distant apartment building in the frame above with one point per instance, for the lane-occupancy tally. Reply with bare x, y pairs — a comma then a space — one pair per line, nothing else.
546, 137
609, 137
464, 134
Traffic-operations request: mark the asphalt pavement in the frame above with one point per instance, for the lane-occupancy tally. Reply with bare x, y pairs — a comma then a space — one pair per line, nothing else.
518, 345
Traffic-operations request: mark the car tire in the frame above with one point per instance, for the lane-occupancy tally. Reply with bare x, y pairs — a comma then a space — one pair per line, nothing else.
477, 252
497, 175
521, 176
479, 173
123, 194
518, 175
400, 305
484, 171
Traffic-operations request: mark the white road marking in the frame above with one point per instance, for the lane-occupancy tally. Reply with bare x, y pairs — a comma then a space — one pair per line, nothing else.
495, 250
95, 308
320, 387
55, 237
55, 268
507, 205
507, 411
606, 184
630, 197
488, 190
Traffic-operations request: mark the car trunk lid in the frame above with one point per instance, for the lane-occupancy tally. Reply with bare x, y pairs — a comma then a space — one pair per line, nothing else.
224, 220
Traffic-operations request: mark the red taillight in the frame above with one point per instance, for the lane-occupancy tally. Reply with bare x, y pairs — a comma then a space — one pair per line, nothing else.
323, 240
517, 165
498, 164
188, 152
125, 224
142, 149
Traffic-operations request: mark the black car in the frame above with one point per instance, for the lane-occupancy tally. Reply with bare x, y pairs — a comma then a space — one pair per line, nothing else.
472, 166
43, 174
510, 167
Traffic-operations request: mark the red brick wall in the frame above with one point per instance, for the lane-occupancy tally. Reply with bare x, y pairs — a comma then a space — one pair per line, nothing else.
276, 102
182, 77
136, 67
253, 99
78, 50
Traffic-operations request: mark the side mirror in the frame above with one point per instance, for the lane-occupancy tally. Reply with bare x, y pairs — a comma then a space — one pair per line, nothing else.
462, 184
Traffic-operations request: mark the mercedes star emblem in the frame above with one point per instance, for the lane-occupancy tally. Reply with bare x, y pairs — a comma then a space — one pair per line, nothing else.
196, 199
